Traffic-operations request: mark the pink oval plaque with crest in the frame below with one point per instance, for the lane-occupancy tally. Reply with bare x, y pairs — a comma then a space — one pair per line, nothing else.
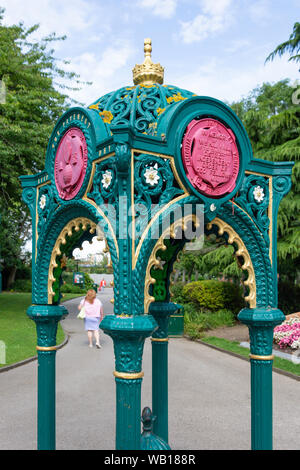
70, 163
210, 157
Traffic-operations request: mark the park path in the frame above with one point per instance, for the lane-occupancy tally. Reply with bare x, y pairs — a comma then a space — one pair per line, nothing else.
209, 396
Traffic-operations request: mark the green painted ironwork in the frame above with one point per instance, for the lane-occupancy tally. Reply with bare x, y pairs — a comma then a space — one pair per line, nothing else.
162, 272
46, 318
128, 334
149, 440
261, 323
161, 311
129, 134
176, 323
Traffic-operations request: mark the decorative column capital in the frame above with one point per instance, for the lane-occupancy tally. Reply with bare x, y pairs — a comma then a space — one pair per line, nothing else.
46, 318
128, 334
161, 311
261, 317
261, 322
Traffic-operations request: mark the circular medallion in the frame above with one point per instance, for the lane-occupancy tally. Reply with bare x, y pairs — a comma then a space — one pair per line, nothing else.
210, 157
70, 163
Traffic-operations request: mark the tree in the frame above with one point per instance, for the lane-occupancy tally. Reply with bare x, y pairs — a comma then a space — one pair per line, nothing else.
292, 46
215, 260
32, 104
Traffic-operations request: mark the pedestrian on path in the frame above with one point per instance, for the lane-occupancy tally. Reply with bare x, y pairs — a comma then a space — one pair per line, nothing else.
102, 284
93, 315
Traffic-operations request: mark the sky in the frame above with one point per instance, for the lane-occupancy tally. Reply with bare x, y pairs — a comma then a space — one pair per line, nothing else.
211, 47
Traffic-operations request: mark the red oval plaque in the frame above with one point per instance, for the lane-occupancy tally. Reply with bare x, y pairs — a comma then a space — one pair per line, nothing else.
70, 163
210, 157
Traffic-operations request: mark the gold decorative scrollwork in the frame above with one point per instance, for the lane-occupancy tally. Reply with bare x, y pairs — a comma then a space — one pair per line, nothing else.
169, 232
75, 224
223, 227
242, 251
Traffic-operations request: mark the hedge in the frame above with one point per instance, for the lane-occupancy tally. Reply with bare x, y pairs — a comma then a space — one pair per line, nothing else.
22, 285
211, 296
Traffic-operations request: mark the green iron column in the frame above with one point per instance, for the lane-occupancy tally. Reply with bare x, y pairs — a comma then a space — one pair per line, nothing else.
261, 323
128, 334
161, 311
46, 318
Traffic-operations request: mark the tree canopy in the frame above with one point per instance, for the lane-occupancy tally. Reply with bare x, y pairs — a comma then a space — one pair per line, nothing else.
272, 121
31, 102
291, 46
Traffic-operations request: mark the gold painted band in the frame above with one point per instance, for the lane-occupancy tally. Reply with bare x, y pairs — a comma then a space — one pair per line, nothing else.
46, 348
160, 340
262, 358
128, 376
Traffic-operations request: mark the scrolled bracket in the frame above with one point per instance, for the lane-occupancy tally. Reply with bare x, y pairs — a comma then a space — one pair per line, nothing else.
234, 238
75, 224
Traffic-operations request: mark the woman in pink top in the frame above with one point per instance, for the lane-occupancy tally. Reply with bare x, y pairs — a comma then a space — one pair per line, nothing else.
93, 315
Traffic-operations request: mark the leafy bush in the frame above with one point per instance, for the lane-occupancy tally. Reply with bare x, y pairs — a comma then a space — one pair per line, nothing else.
68, 288
23, 272
67, 277
177, 293
88, 282
211, 296
22, 285
193, 330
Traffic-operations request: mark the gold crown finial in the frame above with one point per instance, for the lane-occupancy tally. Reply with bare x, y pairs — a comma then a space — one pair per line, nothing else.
148, 73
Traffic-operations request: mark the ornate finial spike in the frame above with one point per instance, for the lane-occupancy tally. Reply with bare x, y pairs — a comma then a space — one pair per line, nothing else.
150, 441
147, 419
148, 73
147, 47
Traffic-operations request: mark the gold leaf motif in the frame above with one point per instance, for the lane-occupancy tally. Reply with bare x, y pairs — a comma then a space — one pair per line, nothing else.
176, 98
106, 116
160, 111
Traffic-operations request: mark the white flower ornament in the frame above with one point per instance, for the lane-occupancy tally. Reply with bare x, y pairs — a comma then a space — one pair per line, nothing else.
43, 201
106, 179
151, 176
258, 194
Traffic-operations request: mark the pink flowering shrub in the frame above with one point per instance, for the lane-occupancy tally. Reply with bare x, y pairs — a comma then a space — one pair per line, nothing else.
288, 334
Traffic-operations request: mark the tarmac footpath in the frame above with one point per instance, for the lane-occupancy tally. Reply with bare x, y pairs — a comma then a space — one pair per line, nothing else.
209, 396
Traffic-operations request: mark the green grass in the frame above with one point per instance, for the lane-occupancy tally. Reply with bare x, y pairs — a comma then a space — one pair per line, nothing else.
71, 296
17, 331
233, 346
